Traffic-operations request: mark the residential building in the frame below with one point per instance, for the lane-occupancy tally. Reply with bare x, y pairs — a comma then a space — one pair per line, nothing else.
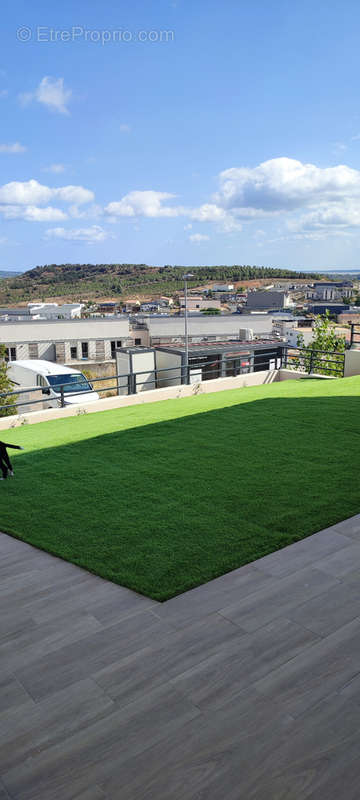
332, 308
151, 331
198, 303
332, 290
54, 311
65, 341
209, 360
222, 287
111, 307
15, 314
268, 300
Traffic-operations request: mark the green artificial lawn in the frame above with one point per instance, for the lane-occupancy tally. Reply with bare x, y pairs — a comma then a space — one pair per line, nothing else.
162, 497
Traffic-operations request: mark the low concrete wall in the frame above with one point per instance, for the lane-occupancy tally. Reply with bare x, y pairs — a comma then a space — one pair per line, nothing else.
352, 363
168, 393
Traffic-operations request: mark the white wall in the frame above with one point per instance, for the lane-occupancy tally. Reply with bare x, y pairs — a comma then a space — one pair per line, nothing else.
352, 363
165, 360
217, 385
59, 330
144, 363
293, 333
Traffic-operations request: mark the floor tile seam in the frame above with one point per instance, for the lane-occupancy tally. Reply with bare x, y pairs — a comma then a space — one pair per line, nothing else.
301, 716
127, 615
320, 636
53, 648
245, 597
17, 679
170, 683
2, 786
147, 747
347, 683
333, 691
170, 680
252, 682
331, 632
305, 540
276, 616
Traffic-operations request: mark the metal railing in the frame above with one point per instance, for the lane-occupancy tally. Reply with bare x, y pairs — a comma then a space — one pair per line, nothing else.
306, 361
319, 362
355, 334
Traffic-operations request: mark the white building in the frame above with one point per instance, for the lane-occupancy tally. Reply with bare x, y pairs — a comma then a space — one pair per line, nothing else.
290, 331
222, 287
65, 341
54, 311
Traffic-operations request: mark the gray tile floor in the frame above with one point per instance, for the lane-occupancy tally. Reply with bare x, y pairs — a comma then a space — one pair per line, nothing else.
247, 688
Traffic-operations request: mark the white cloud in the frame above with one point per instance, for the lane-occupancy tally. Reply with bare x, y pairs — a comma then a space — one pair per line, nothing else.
91, 235
143, 204
4, 93
124, 128
209, 212
14, 148
91, 212
74, 194
55, 168
29, 200
25, 193
283, 184
50, 93
334, 217
32, 192
198, 238
33, 213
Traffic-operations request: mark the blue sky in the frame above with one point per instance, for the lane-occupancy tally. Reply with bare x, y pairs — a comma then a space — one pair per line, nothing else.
229, 134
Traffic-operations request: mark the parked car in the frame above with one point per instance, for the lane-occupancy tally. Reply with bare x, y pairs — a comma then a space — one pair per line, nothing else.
55, 380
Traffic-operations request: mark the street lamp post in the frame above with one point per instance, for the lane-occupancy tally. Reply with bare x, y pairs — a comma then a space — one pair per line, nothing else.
187, 277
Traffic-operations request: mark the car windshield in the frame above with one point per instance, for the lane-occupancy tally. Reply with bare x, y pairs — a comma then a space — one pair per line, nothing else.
72, 383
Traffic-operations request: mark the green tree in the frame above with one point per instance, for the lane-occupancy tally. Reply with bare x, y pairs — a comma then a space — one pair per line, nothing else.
5, 386
324, 354
211, 312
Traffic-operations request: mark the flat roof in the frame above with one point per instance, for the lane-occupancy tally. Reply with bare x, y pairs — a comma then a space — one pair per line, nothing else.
221, 347
73, 321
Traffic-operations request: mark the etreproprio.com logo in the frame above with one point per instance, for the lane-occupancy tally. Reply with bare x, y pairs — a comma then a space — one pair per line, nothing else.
77, 33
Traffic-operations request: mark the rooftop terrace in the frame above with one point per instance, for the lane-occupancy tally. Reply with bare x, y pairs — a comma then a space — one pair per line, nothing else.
247, 687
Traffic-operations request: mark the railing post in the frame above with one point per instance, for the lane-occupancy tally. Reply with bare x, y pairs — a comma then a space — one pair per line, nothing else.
129, 382
62, 398
311, 362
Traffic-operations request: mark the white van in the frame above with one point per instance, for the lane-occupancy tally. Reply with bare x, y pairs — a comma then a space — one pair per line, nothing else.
55, 380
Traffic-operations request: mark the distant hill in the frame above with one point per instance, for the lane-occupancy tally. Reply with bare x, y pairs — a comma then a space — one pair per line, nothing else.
7, 273
91, 281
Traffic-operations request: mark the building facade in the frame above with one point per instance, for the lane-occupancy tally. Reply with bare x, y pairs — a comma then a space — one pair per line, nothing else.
65, 341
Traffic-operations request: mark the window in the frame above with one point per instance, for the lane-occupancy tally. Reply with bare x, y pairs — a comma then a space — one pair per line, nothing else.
137, 341
10, 354
33, 351
74, 383
114, 345
73, 351
84, 350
